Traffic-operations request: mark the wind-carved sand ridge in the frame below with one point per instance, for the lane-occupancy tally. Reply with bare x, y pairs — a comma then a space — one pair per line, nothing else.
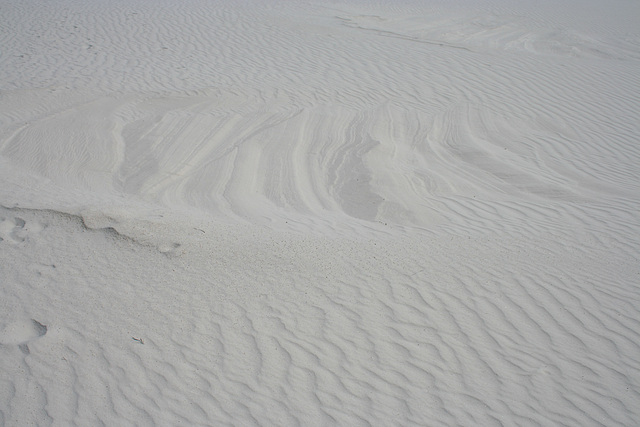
487, 32
302, 214
386, 163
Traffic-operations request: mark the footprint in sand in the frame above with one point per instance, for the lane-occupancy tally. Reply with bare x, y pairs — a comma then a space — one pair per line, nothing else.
16, 229
21, 333
169, 249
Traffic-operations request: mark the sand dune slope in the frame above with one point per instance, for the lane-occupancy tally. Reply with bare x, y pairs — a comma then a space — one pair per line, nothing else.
303, 213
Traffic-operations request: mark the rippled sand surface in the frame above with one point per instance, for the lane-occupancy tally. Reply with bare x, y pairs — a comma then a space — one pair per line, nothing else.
319, 213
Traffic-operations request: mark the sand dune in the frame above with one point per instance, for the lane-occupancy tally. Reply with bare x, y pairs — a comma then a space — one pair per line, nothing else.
307, 213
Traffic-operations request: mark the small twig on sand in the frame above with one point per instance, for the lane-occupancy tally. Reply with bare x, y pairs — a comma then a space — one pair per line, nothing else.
138, 339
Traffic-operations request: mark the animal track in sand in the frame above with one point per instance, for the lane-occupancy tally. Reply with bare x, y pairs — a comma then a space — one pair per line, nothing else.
21, 333
16, 229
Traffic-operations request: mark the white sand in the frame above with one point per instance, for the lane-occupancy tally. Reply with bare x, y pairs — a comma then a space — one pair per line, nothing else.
319, 213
